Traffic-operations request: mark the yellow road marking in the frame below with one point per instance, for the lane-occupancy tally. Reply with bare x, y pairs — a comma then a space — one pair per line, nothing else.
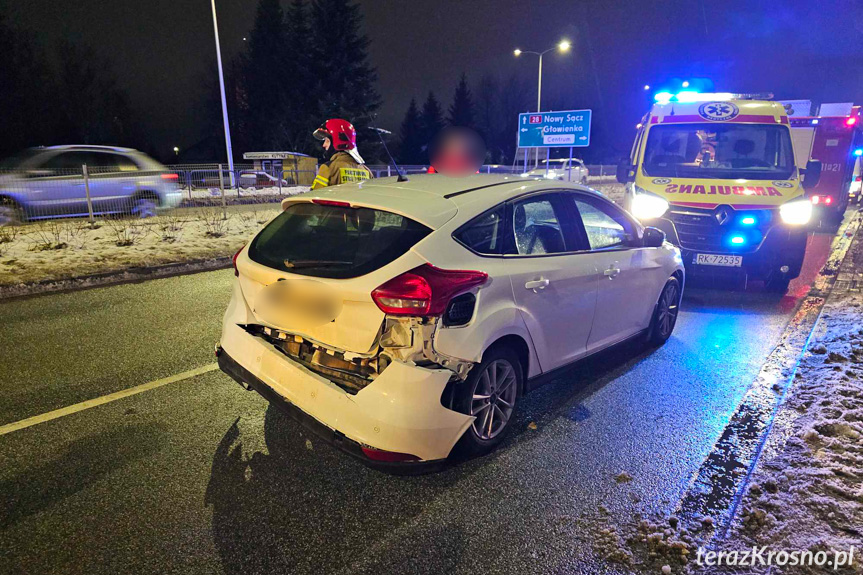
63, 411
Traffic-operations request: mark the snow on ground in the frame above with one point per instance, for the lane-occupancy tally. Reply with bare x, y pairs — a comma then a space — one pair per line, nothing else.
807, 490
61, 249
232, 194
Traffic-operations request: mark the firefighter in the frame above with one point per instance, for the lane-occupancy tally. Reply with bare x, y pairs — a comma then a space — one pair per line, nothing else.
344, 162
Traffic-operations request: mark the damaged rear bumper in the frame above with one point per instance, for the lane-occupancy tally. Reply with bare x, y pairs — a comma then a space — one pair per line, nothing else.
399, 412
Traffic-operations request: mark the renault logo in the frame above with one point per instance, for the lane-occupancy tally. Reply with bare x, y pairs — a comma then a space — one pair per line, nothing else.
722, 214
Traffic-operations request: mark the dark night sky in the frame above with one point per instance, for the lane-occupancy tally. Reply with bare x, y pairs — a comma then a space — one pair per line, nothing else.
163, 50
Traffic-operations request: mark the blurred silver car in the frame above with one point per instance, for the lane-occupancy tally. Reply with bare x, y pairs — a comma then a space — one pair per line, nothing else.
49, 182
559, 169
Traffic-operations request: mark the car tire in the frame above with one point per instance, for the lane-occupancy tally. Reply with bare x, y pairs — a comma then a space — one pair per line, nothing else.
665, 313
490, 393
144, 205
11, 213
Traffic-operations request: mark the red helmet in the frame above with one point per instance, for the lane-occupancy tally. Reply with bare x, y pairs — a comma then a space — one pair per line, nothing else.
341, 133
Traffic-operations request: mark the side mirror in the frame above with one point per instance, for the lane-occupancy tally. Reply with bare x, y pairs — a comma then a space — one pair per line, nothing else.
624, 168
653, 237
812, 174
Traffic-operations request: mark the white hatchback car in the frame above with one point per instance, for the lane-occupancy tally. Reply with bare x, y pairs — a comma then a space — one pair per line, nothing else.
399, 319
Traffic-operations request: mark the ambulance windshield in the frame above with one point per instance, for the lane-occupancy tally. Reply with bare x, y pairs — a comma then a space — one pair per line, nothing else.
722, 151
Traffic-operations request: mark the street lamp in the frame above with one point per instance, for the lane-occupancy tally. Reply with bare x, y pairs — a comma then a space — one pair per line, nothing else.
562, 46
222, 93
176, 151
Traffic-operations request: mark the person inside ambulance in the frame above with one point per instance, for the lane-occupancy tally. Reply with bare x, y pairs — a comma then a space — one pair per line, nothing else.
344, 163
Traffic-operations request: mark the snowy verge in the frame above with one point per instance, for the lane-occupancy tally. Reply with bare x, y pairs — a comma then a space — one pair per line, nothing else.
59, 250
806, 493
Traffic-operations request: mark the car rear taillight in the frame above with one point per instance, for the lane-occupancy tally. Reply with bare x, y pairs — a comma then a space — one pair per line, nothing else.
170, 176
234, 261
425, 290
851, 121
388, 456
826, 200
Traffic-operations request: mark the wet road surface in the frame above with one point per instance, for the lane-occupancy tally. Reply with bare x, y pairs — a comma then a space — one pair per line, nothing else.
200, 476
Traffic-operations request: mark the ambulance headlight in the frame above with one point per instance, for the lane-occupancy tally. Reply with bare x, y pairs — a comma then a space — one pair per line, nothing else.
797, 212
647, 206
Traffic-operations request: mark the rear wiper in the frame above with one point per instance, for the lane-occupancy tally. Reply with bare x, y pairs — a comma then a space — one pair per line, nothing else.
297, 264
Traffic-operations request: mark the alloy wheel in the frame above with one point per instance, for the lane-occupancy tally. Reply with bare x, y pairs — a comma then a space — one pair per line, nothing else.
668, 307
493, 399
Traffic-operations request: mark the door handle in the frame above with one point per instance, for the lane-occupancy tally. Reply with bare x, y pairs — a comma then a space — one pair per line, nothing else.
612, 272
537, 285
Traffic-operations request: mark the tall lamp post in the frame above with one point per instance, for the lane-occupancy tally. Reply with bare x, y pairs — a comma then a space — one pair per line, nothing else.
562, 46
222, 89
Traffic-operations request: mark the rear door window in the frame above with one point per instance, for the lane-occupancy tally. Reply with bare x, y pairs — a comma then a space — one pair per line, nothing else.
484, 234
334, 241
536, 226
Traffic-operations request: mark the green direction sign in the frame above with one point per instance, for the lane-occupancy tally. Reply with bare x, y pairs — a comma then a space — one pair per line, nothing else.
565, 129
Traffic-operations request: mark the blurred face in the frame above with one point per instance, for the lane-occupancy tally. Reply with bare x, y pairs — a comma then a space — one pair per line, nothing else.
326, 144
457, 152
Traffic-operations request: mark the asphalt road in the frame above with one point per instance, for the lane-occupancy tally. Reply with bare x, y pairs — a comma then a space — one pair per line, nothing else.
200, 476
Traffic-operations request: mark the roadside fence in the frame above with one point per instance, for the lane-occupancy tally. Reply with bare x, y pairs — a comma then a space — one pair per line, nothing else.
90, 192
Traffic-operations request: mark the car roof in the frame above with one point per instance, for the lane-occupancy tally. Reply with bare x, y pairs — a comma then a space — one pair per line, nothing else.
90, 147
434, 199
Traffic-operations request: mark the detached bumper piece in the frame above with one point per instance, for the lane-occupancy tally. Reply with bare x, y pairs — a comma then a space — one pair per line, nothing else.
387, 461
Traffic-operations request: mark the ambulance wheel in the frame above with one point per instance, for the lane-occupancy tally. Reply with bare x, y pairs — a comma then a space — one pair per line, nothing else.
778, 283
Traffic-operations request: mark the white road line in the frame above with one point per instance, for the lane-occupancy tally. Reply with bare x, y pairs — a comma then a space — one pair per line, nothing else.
63, 411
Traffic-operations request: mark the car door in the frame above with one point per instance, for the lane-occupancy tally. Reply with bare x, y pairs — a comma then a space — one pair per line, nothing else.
56, 185
626, 273
553, 287
111, 183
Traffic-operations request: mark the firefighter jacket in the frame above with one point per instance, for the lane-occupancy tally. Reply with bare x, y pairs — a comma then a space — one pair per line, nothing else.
341, 168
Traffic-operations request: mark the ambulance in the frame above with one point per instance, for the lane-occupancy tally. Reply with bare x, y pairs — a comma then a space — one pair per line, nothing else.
717, 174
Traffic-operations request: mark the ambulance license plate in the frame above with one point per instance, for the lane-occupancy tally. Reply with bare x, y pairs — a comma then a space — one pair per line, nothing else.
719, 260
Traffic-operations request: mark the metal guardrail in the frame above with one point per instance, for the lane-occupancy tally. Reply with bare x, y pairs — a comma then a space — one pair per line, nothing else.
87, 193
90, 192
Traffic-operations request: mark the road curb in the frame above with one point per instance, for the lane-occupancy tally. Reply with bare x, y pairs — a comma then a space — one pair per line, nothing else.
717, 487
129, 275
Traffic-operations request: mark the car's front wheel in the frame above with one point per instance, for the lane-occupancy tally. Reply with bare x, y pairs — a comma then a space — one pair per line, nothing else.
144, 206
11, 213
490, 394
665, 313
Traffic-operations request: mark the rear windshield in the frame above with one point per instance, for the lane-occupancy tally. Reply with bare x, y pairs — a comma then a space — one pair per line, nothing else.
334, 241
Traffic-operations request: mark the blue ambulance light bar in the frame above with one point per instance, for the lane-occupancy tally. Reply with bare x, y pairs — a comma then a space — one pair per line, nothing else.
686, 96
858, 152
